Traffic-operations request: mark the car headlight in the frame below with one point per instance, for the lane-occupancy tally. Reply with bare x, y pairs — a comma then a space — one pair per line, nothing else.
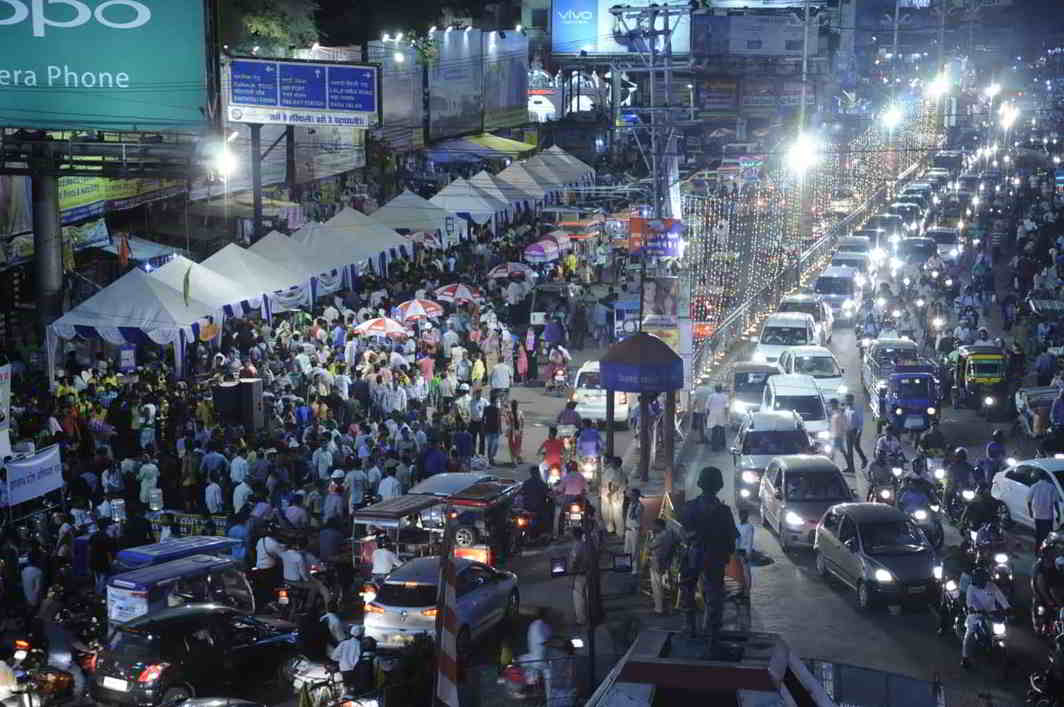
954, 252
878, 254
744, 493
895, 263
866, 342
896, 471
750, 477
936, 571
881, 302
760, 357
886, 494
843, 389
1011, 461
940, 474
823, 435
968, 495
883, 576
951, 586
739, 407
793, 519
1001, 558
898, 411
999, 629
920, 514
988, 400
938, 322
906, 281
931, 411
935, 508
848, 304
920, 303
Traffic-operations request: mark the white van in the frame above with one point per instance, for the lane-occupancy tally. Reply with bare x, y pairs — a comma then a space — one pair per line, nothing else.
590, 396
781, 331
818, 362
840, 287
800, 394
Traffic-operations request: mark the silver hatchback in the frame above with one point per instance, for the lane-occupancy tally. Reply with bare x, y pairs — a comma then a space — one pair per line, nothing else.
405, 605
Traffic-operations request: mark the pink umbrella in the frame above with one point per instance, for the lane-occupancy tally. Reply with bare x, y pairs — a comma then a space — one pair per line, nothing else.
381, 326
507, 269
417, 309
458, 293
541, 252
428, 239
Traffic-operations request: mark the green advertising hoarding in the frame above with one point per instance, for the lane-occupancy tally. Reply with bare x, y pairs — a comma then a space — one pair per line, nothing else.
136, 65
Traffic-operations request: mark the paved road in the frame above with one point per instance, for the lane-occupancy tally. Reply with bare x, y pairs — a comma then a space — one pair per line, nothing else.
822, 620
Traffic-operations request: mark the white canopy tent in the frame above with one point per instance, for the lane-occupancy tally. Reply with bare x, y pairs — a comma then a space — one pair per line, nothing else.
353, 238
552, 173
502, 189
134, 307
537, 185
252, 270
582, 167
216, 290
555, 165
295, 257
410, 213
279, 248
462, 198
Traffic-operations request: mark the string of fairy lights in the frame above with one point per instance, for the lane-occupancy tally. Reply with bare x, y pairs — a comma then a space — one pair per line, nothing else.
745, 248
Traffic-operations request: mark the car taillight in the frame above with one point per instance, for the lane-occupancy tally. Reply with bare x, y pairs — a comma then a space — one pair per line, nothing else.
522, 521
575, 508
431, 613
374, 609
152, 672
22, 645
282, 597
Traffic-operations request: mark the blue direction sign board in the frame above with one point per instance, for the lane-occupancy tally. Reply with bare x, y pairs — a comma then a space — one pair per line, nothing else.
303, 93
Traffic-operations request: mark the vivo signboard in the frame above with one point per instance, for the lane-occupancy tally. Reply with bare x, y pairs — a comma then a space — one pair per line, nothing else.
103, 64
587, 26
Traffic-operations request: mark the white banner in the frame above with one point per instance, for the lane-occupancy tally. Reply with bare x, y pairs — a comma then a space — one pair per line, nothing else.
34, 476
5, 398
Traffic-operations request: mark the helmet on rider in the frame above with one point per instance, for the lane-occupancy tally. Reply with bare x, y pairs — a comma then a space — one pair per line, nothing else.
980, 577
960, 454
998, 436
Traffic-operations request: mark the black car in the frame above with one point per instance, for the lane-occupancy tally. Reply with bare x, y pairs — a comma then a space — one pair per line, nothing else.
196, 649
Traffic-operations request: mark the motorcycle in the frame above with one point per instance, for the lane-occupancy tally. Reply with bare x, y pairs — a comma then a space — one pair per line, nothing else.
991, 634
1047, 687
958, 503
573, 514
930, 523
988, 550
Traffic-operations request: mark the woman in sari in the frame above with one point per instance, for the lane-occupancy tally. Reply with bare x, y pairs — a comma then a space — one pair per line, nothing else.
515, 431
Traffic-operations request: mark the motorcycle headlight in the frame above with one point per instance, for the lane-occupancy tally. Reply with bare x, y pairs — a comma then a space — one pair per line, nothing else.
898, 411
935, 508
920, 303
936, 571
744, 493
878, 254
988, 400
1011, 461
951, 586
823, 435
999, 628
793, 519
866, 342
1001, 558
885, 494
848, 304
906, 281
949, 282
882, 576
968, 495
881, 302
896, 471
738, 407
938, 322
750, 477
931, 411
920, 514
940, 474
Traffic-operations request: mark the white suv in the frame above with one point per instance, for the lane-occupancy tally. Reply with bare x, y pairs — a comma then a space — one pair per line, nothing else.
590, 396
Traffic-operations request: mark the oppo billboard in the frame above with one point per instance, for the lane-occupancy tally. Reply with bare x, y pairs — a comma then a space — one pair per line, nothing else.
103, 64
587, 26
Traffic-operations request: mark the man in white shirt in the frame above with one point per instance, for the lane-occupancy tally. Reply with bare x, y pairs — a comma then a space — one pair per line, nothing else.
502, 377
1043, 502
297, 572
389, 487
355, 487
476, 420
322, 461
982, 596
449, 340
32, 584
384, 561
348, 654
241, 494
238, 468
717, 417
212, 497
333, 506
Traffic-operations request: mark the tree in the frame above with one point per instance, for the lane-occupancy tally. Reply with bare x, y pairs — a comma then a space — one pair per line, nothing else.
275, 27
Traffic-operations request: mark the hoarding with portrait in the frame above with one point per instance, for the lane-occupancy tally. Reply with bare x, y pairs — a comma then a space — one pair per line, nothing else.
588, 26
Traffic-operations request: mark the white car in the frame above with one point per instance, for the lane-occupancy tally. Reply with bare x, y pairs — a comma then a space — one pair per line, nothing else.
815, 306
590, 397
1012, 485
800, 394
818, 362
781, 331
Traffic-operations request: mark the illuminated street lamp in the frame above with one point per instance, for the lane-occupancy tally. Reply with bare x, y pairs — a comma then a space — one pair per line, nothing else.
892, 117
939, 87
992, 90
803, 153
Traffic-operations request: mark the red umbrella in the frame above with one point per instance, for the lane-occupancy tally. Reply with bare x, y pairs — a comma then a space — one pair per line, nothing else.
458, 293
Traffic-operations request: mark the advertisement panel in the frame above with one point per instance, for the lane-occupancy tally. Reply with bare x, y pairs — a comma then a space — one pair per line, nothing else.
762, 35
759, 93
20, 249
544, 104
505, 80
587, 26
104, 64
34, 476
302, 93
718, 94
456, 84
791, 93
402, 102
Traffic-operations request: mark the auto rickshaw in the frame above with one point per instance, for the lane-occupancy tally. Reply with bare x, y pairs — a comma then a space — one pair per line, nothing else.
979, 380
911, 400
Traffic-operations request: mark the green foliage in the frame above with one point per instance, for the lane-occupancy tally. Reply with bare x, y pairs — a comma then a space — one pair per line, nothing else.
274, 26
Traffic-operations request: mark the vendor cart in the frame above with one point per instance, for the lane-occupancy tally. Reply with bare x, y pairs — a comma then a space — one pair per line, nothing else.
397, 518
